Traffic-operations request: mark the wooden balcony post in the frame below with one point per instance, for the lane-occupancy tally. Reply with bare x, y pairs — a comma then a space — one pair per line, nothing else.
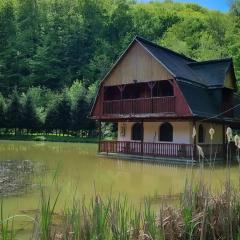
224, 142
121, 89
142, 137
151, 86
99, 134
194, 142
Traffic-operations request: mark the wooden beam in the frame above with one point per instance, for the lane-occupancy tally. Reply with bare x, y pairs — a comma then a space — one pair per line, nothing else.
195, 141
224, 141
142, 137
99, 134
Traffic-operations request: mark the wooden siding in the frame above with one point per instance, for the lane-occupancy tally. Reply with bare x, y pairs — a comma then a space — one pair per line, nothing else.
229, 80
137, 64
97, 109
181, 107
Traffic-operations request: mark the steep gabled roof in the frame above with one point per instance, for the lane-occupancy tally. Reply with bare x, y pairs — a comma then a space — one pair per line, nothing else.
202, 101
212, 73
176, 64
200, 82
207, 73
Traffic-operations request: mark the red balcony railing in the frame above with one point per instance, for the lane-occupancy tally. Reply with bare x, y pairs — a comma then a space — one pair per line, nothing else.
173, 150
140, 105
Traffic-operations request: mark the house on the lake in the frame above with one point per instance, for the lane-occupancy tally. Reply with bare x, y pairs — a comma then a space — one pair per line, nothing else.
157, 96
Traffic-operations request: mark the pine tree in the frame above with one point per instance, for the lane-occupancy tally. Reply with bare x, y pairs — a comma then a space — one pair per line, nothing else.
79, 115
30, 118
2, 112
64, 113
51, 120
15, 112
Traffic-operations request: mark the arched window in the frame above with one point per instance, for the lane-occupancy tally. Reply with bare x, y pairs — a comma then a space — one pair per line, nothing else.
200, 134
137, 131
166, 132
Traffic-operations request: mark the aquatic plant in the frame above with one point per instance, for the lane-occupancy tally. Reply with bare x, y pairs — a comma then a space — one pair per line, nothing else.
46, 214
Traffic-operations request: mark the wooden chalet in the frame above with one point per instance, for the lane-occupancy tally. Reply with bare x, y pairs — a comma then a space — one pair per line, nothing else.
157, 96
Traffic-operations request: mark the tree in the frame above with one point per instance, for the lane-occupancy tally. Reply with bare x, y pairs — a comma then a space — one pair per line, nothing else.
15, 112
51, 120
2, 112
235, 7
31, 120
79, 115
76, 91
64, 113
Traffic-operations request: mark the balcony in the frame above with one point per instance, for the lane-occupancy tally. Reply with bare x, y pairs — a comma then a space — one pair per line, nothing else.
140, 106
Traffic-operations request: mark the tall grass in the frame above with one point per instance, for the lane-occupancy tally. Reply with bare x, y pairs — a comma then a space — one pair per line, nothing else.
6, 226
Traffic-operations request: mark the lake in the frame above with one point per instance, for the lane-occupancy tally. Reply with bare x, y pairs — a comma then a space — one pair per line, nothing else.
76, 171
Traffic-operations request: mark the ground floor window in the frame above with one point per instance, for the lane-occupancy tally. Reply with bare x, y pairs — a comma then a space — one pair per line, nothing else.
166, 132
137, 131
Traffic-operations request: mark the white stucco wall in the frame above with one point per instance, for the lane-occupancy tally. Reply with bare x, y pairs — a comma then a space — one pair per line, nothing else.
218, 136
182, 132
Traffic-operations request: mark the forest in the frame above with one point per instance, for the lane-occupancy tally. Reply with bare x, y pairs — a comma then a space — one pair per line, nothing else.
54, 53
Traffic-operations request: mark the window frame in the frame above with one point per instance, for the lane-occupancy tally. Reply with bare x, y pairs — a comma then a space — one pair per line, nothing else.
169, 138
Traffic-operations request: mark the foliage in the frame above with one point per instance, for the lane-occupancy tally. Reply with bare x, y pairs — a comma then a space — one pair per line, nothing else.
2, 112
50, 47
54, 43
31, 120
15, 112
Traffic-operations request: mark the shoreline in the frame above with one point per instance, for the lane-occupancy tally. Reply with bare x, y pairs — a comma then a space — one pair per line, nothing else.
49, 138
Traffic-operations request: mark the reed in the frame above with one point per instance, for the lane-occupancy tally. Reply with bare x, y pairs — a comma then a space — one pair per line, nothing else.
6, 226
46, 214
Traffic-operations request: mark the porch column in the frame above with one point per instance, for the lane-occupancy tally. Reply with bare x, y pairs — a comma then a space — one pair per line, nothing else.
99, 134
224, 142
142, 137
195, 141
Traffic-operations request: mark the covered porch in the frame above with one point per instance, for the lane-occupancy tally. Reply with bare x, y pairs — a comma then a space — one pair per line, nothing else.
166, 140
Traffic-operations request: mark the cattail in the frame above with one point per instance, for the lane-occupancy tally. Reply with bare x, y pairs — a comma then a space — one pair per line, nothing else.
194, 133
211, 132
229, 134
200, 151
236, 140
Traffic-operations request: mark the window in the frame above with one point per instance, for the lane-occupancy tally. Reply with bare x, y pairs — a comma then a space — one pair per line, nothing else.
137, 132
166, 132
200, 134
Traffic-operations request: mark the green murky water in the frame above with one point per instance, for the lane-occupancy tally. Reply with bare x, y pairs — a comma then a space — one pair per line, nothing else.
81, 173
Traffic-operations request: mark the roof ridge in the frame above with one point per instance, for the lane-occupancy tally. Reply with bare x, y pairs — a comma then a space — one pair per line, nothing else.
211, 61
164, 48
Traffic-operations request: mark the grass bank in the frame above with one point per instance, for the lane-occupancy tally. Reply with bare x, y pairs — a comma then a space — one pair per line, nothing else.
49, 138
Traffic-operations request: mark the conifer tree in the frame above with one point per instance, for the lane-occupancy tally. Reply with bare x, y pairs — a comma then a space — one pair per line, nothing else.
15, 112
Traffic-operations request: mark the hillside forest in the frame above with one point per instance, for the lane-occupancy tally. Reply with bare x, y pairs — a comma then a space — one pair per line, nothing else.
54, 53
